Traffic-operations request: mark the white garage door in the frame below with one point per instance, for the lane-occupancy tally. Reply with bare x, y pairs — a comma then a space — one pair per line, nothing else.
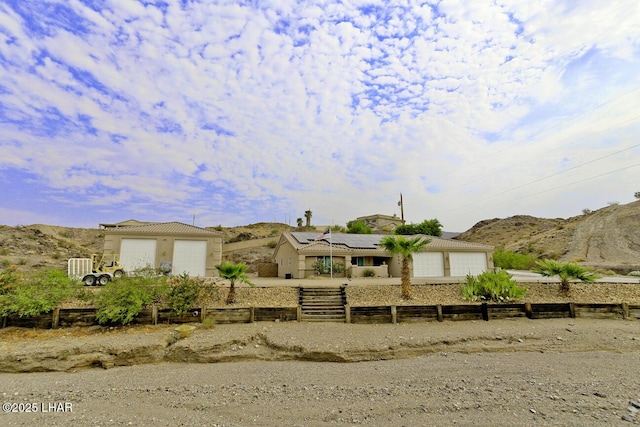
428, 264
138, 253
190, 256
463, 263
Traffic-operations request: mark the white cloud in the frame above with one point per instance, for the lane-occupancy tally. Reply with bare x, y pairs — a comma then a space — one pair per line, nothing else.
239, 111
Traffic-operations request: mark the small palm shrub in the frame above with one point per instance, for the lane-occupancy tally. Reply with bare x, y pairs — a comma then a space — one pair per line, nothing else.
496, 286
566, 272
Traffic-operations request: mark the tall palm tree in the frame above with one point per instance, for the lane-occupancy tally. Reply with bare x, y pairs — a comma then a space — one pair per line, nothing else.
565, 271
400, 245
233, 273
307, 215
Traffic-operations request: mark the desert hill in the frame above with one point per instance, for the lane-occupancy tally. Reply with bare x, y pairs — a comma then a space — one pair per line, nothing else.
606, 238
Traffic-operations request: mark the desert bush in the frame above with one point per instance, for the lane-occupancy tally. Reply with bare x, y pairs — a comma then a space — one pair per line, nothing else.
358, 227
272, 244
634, 273
188, 292
122, 300
510, 260
209, 323
35, 294
368, 272
319, 267
9, 277
492, 286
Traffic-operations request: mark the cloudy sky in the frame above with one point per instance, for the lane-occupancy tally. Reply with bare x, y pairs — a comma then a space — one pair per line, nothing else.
246, 111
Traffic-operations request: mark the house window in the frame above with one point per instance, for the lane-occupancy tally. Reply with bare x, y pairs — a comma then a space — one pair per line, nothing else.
357, 260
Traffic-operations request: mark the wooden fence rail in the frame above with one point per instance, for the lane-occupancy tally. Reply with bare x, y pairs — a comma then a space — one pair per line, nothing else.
355, 314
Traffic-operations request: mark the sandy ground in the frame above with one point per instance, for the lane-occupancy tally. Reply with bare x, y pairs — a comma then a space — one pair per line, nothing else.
503, 372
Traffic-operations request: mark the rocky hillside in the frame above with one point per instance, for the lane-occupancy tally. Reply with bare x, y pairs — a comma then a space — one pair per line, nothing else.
36, 246
39, 246
608, 237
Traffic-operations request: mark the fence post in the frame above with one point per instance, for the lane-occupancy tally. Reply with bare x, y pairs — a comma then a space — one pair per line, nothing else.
394, 314
439, 315
527, 310
299, 313
154, 314
625, 310
252, 314
485, 312
572, 310
347, 313
56, 318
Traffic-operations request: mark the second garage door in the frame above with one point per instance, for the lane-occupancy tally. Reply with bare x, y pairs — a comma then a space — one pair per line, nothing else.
463, 263
190, 256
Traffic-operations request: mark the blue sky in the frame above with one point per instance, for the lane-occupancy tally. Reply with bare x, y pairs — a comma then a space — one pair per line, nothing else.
246, 111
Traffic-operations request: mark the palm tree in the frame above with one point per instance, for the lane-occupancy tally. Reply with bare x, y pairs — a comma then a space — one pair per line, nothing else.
307, 215
400, 245
565, 271
299, 221
234, 273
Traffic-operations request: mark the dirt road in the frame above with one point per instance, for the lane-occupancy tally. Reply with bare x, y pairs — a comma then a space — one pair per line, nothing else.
509, 372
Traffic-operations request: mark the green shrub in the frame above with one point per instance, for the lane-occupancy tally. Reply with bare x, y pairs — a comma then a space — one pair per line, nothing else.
122, 300
492, 286
319, 267
368, 273
510, 260
209, 323
188, 292
36, 294
634, 273
272, 244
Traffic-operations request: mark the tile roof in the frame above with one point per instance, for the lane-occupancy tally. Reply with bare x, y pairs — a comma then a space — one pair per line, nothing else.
163, 228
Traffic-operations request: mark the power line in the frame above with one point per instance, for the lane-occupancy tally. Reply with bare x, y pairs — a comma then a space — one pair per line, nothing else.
474, 180
579, 181
551, 127
556, 187
552, 175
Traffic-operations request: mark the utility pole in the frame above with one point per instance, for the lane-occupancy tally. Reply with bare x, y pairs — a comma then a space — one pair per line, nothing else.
401, 209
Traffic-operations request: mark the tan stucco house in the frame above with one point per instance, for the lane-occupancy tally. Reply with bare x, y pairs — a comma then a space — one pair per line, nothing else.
297, 252
189, 249
380, 222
